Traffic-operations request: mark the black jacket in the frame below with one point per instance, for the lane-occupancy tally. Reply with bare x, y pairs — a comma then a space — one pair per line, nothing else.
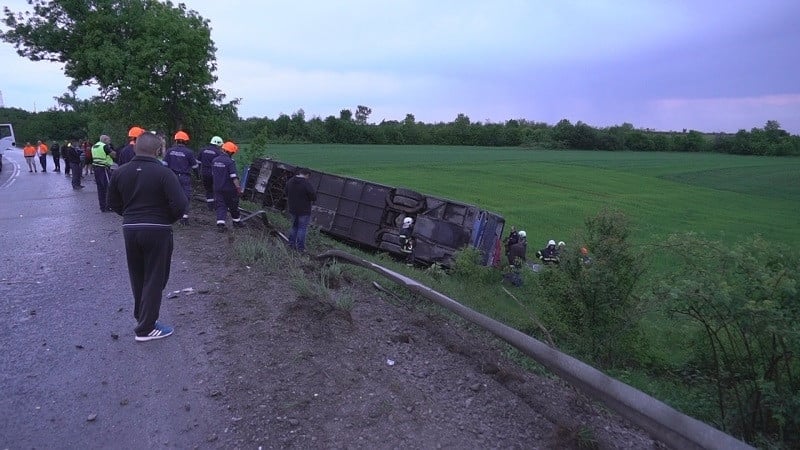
72, 154
299, 195
146, 192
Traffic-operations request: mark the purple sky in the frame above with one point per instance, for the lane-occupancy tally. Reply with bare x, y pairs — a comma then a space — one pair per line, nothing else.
707, 65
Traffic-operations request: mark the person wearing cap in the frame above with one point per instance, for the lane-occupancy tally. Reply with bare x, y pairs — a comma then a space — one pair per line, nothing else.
300, 195
127, 153
226, 187
102, 158
150, 199
182, 161
206, 159
549, 254
41, 150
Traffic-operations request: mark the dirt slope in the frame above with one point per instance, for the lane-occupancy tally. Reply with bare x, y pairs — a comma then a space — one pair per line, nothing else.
384, 373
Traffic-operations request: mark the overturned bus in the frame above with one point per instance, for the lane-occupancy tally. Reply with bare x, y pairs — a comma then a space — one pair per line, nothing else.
371, 215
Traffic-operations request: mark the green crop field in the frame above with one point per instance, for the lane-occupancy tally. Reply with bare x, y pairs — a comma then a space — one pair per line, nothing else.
549, 193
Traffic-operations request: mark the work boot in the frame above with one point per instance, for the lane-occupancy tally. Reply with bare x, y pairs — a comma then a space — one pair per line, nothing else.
221, 228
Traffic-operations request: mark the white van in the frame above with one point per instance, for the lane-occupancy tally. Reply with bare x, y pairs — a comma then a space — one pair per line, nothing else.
7, 140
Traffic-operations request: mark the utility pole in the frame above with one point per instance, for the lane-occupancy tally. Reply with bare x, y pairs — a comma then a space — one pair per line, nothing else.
2, 104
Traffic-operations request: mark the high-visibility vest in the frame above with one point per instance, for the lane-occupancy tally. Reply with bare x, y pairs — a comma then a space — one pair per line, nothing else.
99, 155
29, 150
43, 149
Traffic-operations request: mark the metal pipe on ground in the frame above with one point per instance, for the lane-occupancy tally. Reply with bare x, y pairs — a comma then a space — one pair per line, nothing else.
663, 422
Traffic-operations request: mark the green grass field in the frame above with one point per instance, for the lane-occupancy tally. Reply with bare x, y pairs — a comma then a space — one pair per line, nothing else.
550, 193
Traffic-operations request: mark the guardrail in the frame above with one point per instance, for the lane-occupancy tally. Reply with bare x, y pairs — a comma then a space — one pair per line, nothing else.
661, 421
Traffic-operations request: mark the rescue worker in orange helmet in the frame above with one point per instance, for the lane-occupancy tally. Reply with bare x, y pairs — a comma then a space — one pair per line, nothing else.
226, 187
127, 154
182, 161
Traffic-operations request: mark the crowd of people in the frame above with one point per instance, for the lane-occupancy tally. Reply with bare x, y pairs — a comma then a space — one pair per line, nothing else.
516, 248
150, 186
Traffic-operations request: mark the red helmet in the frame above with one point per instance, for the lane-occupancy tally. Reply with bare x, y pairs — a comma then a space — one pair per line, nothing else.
135, 132
230, 147
181, 136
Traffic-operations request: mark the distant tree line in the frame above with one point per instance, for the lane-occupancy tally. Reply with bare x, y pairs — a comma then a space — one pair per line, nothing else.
74, 122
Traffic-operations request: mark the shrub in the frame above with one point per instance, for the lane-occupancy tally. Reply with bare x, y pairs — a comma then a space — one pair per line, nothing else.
745, 302
596, 303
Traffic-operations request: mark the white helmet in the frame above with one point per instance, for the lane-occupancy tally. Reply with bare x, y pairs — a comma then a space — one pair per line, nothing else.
561, 243
216, 140
551, 242
522, 234
407, 221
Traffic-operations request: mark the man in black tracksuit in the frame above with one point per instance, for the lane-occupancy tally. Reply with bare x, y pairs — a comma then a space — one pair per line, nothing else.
150, 199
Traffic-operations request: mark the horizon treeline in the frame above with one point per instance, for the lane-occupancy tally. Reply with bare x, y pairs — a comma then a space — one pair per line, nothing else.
354, 128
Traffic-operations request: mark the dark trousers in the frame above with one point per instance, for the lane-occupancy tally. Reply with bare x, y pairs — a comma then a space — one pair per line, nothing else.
56, 161
226, 202
102, 175
67, 167
149, 253
208, 185
297, 236
76, 173
43, 162
186, 183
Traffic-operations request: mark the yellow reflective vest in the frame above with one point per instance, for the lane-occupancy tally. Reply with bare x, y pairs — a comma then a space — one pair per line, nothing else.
99, 155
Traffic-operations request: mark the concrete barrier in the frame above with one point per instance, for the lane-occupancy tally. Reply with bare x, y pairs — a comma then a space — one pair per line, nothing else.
673, 428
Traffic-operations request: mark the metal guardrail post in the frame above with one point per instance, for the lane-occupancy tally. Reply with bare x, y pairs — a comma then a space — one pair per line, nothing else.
663, 422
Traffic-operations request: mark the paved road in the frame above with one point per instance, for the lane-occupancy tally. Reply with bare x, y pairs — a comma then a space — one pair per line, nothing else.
66, 379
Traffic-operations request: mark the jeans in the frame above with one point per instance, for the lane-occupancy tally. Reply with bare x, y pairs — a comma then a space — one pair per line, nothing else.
297, 236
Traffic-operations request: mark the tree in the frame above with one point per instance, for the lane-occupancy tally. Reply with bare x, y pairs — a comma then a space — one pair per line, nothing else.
152, 62
362, 114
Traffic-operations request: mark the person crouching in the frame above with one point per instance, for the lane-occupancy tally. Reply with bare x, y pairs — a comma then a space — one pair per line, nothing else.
226, 187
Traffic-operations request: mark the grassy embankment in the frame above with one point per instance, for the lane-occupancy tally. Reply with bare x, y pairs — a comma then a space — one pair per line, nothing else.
550, 193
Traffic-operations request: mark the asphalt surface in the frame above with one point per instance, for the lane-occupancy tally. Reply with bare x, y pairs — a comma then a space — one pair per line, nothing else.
71, 374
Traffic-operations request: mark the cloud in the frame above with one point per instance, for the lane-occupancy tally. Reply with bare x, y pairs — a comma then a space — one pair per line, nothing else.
727, 114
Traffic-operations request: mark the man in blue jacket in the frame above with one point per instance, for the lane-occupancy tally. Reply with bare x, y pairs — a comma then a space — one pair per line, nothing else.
182, 161
226, 187
206, 160
150, 199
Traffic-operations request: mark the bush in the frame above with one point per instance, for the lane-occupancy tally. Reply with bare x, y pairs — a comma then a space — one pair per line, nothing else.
745, 302
596, 303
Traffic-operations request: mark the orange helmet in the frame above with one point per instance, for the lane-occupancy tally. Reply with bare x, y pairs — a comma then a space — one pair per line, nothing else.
230, 147
135, 132
181, 136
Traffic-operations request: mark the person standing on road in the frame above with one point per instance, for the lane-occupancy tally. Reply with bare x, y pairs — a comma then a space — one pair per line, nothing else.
150, 199
299, 195
206, 160
64, 151
72, 160
55, 152
182, 161
102, 158
126, 153
41, 150
226, 187
29, 152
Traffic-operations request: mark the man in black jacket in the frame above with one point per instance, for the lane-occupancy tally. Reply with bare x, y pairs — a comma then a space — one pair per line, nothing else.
72, 160
299, 195
150, 199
